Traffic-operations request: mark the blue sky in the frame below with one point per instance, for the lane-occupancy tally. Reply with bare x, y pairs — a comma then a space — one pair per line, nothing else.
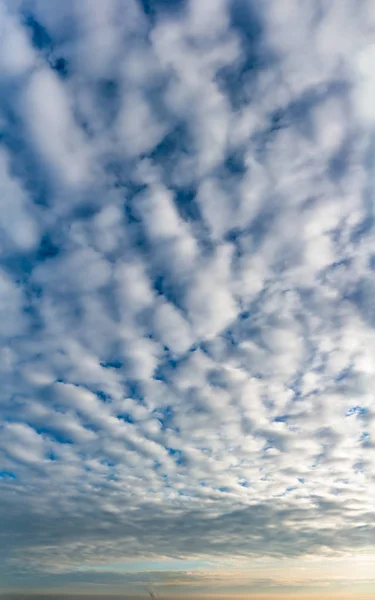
187, 279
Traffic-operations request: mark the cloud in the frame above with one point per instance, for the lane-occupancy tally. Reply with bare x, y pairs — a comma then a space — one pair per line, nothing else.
52, 128
19, 228
186, 284
17, 55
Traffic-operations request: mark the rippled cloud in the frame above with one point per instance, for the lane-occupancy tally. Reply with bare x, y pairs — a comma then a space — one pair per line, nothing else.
187, 282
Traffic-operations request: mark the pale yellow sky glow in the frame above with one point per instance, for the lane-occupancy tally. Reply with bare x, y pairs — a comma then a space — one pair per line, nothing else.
313, 578
309, 578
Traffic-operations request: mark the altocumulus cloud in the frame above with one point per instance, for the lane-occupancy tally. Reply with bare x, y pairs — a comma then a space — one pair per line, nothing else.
186, 281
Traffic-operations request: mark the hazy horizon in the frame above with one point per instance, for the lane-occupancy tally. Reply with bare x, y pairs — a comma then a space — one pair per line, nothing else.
212, 596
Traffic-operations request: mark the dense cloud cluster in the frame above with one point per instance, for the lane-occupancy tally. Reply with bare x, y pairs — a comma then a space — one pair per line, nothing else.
187, 280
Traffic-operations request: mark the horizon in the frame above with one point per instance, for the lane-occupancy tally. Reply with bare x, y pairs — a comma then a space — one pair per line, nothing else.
277, 596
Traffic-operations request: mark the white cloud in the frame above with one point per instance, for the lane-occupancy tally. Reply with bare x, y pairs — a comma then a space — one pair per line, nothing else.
16, 54
186, 283
48, 114
139, 129
365, 92
18, 224
209, 302
173, 330
82, 269
134, 289
11, 305
102, 28
193, 93
23, 444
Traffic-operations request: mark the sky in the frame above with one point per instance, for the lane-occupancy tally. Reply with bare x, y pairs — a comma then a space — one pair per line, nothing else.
187, 313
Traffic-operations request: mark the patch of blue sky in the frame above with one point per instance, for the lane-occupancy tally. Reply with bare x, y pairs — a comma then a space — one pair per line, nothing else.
356, 410
7, 475
139, 566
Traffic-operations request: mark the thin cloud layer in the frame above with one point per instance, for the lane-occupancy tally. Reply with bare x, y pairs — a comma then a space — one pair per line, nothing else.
186, 282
